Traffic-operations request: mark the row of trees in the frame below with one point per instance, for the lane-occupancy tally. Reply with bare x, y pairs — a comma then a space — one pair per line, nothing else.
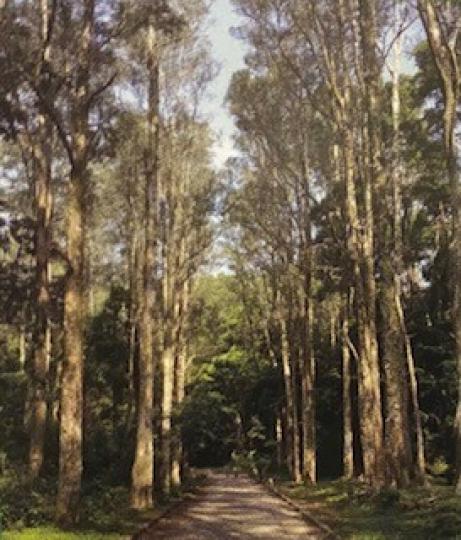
107, 179
346, 200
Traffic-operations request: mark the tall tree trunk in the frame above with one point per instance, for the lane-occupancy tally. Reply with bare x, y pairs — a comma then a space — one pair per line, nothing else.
71, 408
307, 370
369, 376
135, 266
398, 441
179, 379
420, 463
348, 438
42, 159
291, 409
42, 335
168, 358
307, 360
142, 475
398, 452
370, 416
296, 439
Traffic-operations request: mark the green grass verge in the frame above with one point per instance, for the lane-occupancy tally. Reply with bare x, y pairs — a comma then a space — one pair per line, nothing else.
423, 513
108, 525
51, 533
27, 512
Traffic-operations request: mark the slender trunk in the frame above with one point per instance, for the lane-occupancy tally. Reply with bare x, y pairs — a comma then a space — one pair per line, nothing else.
179, 380
135, 285
279, 438
307, 372
56, 384
22, 347
420, 464
169, 318
307, 359
142, 475
42, 158
348, 446
297, 464
291, 416
398, 441
167, 409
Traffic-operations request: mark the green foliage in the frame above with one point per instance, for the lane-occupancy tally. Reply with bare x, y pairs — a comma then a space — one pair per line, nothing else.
28, 509
349, 508
13, 440
51, 533
107, 453
387, 498
234, 390
208, 428
23, 504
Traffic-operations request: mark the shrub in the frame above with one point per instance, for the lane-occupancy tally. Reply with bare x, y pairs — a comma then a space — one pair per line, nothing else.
387, 498
23, 504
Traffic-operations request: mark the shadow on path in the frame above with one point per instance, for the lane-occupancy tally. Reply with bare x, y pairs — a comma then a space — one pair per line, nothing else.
232, 508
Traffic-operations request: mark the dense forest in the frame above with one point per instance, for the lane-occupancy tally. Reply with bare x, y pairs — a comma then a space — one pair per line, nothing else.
296, 312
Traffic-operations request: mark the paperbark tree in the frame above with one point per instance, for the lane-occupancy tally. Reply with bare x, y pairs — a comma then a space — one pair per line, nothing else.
42, 160
348, 434
71, 403
142, 476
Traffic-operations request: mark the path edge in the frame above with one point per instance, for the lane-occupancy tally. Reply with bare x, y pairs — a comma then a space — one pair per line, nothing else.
306, 515
145, 528
169, 508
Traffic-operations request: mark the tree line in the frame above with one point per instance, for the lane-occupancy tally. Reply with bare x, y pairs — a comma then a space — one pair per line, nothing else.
106, 196
343, 213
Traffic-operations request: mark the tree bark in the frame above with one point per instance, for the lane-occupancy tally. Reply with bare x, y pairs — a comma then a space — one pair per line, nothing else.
369, 376
348, 446
307, 359
179, 381
291, 416
142, 477
42, 161
71, 408
398, 441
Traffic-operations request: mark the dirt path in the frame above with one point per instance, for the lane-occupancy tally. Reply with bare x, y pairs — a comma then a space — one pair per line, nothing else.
232, 508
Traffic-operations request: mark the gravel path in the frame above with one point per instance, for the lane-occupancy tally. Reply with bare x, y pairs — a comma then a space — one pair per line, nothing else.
232, 508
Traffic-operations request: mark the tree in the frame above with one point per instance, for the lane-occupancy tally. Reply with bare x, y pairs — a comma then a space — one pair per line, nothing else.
441, 23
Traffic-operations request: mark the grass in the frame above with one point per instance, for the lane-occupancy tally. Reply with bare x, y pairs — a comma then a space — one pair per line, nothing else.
26, 512
51, 533
423, 513
97, 524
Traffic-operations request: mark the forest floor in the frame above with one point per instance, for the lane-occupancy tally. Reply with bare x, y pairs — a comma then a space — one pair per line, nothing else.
228, 508
27, 512
422, 513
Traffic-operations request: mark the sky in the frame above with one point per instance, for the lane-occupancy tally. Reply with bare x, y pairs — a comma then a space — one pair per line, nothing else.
229, 53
